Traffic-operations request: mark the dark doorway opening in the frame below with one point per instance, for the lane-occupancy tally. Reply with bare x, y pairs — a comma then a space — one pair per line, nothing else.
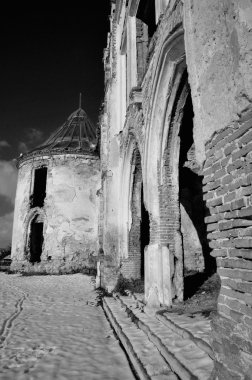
144, 231
198, 264
39, 188
36, 241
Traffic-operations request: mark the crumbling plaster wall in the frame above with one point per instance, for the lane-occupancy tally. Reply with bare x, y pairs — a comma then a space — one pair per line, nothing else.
114, 116
218, 43
112, 123
218, 40
70, 213
165, 68
22, 204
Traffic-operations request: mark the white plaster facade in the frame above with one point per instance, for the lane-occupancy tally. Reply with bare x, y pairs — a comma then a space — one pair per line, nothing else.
69, 213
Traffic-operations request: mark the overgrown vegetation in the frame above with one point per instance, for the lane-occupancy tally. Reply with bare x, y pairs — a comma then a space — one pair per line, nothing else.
133, 285
204, 300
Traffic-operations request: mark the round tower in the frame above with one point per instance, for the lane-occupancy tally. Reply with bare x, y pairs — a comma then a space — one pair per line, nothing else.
56, 208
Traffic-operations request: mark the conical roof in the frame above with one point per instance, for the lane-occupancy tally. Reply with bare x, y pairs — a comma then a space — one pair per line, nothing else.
76, 135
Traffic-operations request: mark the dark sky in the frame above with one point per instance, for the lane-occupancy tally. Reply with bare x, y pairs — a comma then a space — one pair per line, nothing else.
47, 58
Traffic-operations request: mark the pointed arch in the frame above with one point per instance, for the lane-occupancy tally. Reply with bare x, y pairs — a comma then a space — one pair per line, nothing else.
35, 215
169, 70
126, 181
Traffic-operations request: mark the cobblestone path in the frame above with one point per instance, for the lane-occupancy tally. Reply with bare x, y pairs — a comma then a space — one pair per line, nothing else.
49, 330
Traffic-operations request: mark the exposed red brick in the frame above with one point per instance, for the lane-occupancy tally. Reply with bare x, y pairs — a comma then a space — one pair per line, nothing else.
242, 274
246, 253
214, 202
237, 295
234, 263
239, 203
219, 252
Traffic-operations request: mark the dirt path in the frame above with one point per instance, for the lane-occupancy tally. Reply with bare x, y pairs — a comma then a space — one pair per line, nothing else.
48, 330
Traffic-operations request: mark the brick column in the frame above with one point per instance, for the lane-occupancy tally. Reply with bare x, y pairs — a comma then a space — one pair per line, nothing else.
131, 266
228, 195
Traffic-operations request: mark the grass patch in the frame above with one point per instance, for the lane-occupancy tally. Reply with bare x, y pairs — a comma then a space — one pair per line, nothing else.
133, 285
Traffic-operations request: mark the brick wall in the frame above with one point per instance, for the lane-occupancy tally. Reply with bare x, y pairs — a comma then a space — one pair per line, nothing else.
142, 49
228, 195
131, 267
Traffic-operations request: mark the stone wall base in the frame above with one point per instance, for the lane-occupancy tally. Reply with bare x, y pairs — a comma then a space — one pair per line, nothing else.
108, 272
158, 273
54, 266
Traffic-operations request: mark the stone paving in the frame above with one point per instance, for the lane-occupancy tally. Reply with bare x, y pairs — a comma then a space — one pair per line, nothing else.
49, 330
144, 355
183, 346
193, 326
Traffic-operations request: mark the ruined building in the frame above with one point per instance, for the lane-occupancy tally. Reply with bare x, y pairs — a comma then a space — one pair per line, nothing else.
173, 188
56, 211
176, 143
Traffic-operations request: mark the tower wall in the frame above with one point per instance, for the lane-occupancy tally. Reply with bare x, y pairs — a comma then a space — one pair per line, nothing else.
69, 214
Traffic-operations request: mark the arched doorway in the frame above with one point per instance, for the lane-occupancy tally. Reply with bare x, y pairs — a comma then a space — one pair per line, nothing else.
135, 227
164, 261
184, 194
139, 232
36, 240
34, 235
144, 231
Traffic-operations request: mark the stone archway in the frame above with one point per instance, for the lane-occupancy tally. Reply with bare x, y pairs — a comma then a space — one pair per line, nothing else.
35, 225
182, 196
168, 101
36, 240
134, 217
164, 263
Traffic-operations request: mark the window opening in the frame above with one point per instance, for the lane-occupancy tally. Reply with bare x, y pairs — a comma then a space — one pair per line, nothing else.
39, 188
36, 241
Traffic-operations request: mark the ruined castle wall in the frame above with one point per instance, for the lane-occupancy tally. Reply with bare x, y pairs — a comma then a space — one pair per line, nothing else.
69, 214
218, 53
131, 262
22, 204
227, 178
212, 41
164, 256
113, 121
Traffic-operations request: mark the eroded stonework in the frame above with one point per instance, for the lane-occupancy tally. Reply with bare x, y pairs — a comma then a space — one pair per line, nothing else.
69, 215
178, 92
174, 189
57, 203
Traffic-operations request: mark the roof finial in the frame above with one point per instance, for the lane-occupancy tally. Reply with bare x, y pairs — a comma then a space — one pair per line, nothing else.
80, 100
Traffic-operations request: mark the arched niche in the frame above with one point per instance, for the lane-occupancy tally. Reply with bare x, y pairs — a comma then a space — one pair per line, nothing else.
164, 264
126, 183
35, 227
134, 218
169, 68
